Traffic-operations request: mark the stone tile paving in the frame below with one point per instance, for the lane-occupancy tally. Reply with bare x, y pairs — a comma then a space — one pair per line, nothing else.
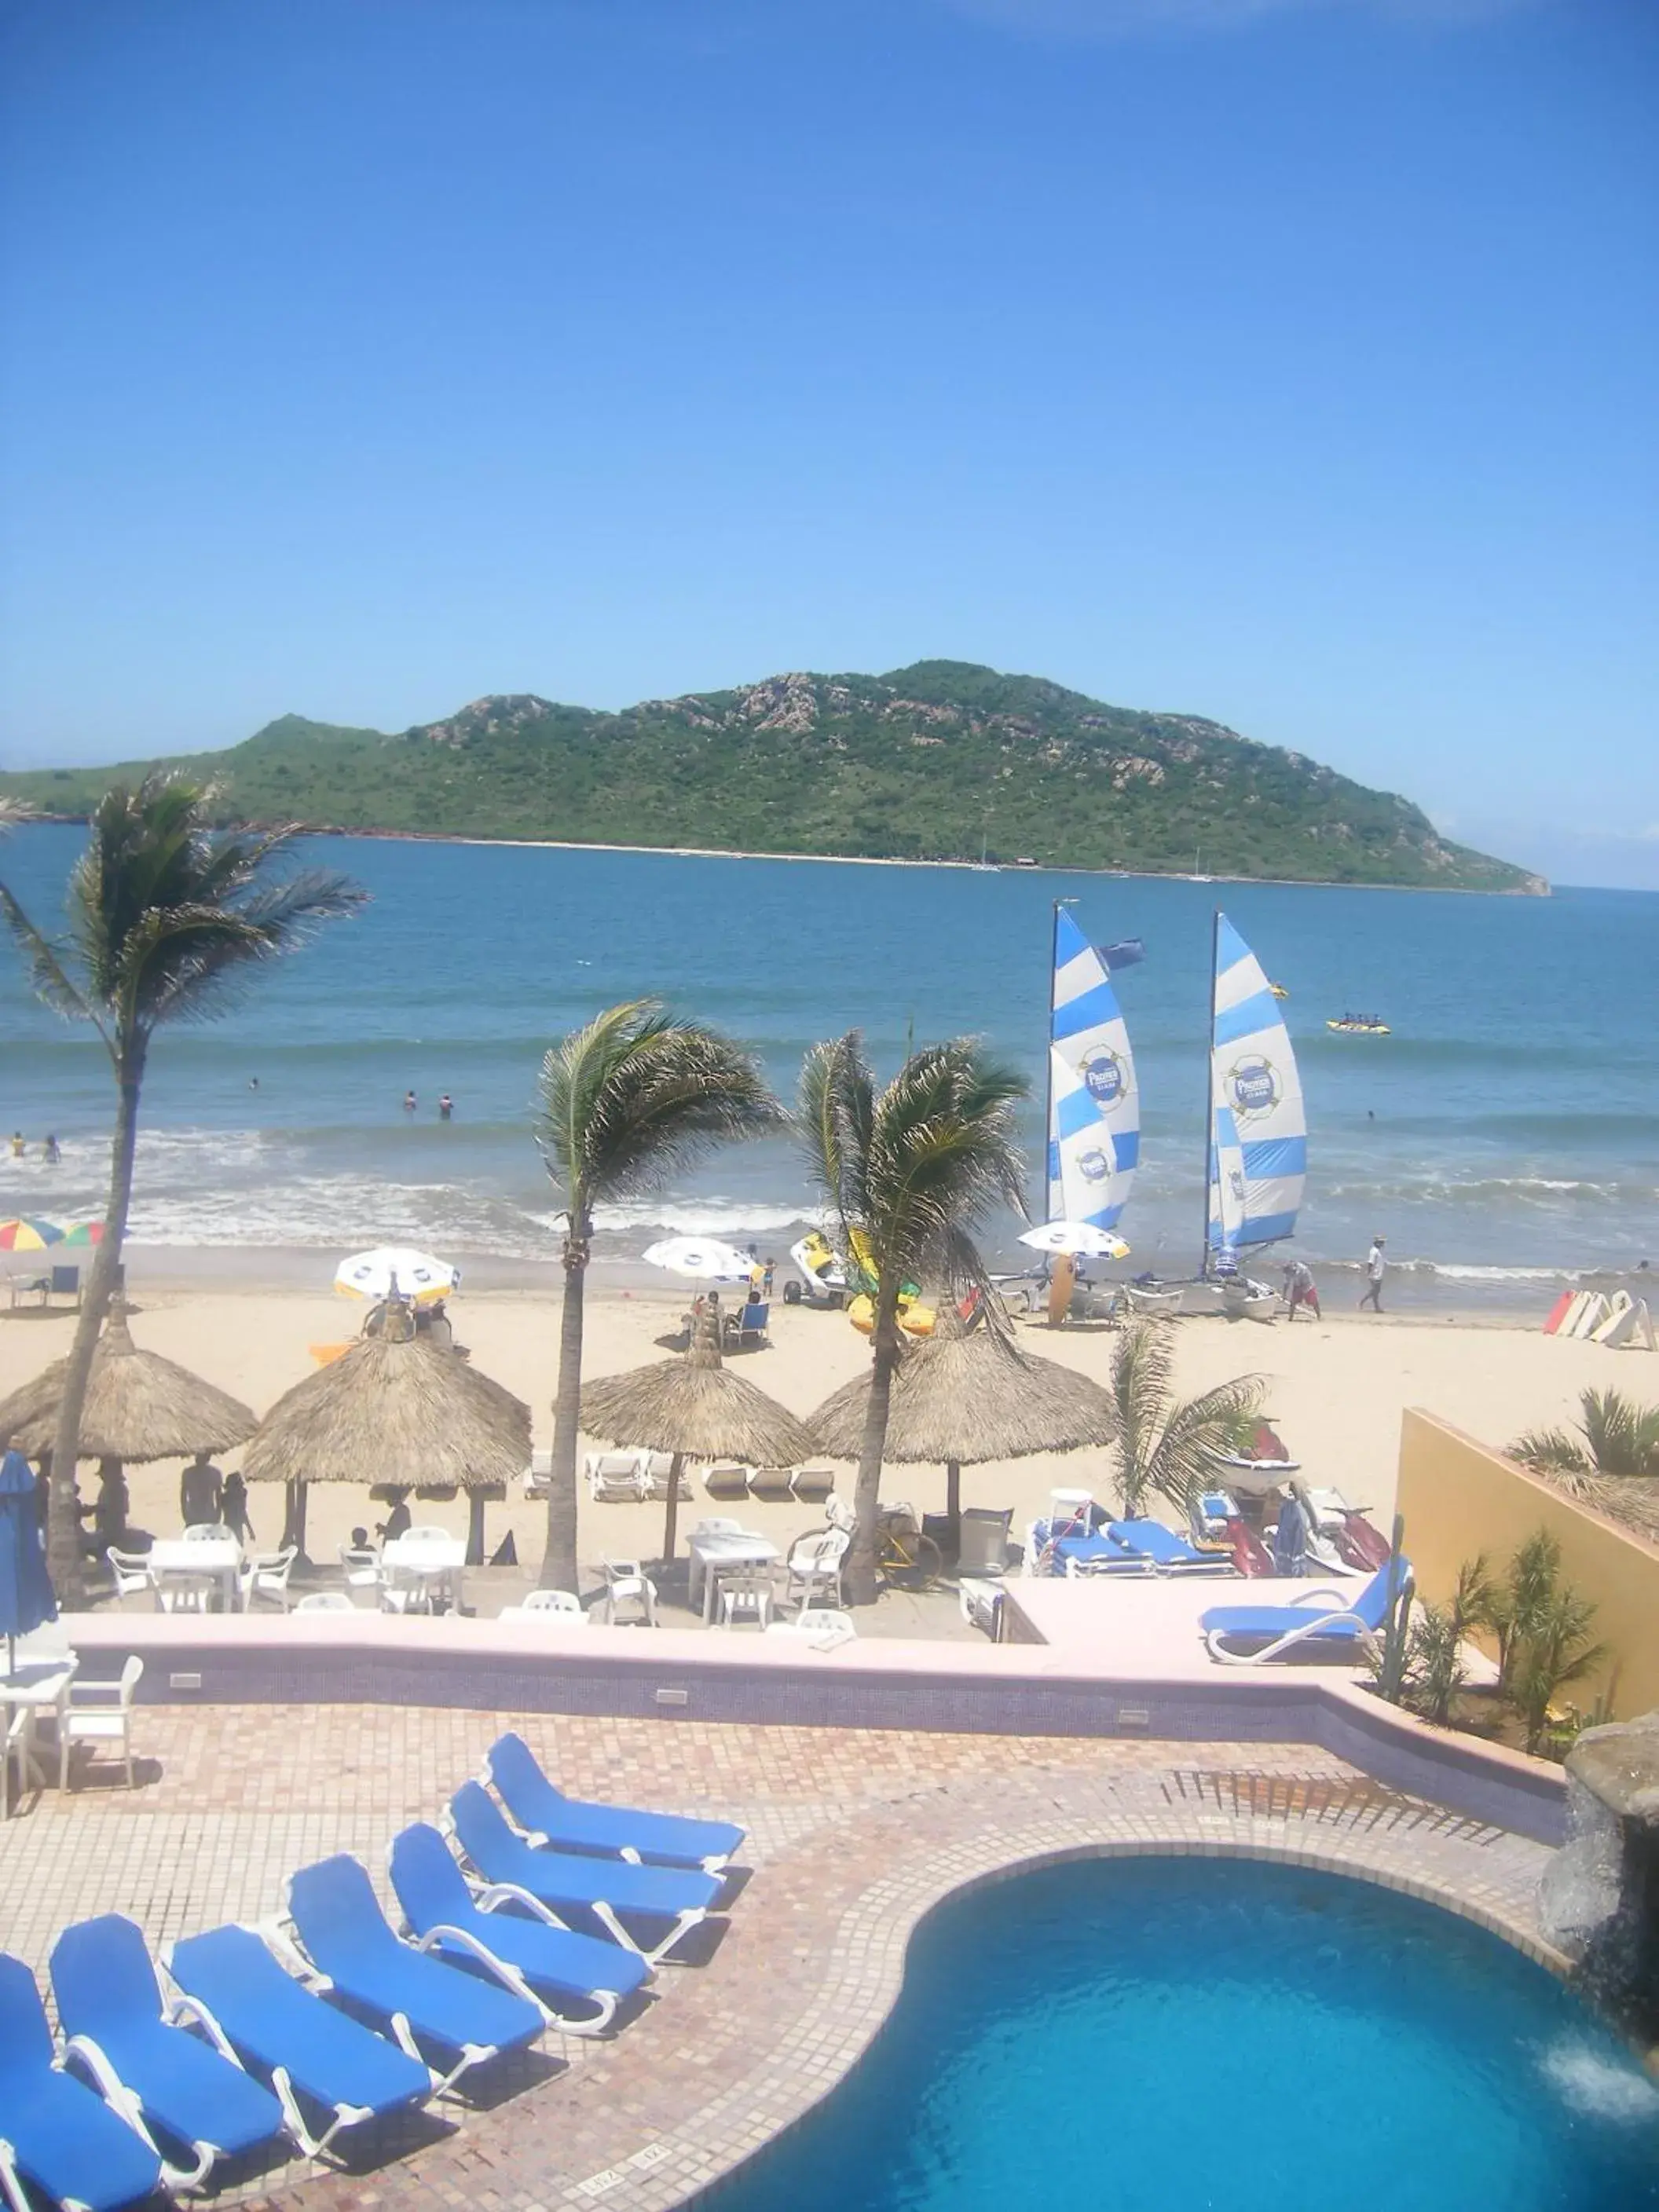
853, 1834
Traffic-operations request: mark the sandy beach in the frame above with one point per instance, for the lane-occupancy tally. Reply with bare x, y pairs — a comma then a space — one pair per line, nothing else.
1335, 1389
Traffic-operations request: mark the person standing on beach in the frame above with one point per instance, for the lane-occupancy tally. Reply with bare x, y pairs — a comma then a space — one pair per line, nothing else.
1376, 1265
233, 1508
1300, 1289
201, 1492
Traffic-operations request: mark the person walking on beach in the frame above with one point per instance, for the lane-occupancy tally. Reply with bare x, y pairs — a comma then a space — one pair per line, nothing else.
1375, 1266
233, 1508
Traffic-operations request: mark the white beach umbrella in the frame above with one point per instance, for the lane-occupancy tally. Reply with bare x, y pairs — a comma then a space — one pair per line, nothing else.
415, 1276
1080, 1238
704, 1257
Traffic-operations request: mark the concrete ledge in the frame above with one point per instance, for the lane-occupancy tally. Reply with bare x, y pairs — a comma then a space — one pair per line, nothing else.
1025, 1689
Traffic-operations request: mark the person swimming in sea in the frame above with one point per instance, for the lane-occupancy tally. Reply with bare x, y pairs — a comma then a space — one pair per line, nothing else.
445, 1107
52, 1151
17, 1144
409, 1102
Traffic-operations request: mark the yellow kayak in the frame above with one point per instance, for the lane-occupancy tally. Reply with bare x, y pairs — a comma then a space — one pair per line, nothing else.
914, 1317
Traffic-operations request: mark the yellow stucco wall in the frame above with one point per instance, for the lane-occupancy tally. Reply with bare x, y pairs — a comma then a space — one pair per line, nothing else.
1459, 1498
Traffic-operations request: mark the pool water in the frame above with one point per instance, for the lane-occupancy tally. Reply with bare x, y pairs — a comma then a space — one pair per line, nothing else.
1212, 2035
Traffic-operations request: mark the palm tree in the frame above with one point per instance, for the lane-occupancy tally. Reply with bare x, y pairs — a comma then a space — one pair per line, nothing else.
1167, 1443
625, 1102
1620, 1438
909, 1171
166, 914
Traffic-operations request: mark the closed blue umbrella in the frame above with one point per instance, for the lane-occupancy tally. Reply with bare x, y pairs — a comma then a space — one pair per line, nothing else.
26, 1594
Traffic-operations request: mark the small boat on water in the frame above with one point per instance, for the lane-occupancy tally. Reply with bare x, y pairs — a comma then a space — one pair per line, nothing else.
1359, 1025
1279, 990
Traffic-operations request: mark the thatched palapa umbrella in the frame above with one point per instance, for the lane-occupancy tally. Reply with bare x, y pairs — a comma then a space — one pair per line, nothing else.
138, 1406
693, 1408
966, 1394
396, 1410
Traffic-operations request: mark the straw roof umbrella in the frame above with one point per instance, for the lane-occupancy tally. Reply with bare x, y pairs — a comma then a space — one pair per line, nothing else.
966, 1394
693, 1407
396, 1410
138, 1406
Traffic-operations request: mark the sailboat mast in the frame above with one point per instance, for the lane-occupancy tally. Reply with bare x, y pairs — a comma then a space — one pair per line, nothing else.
1209, 1096
1048, 1064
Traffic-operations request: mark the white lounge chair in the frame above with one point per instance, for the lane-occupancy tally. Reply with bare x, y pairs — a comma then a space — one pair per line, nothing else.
655, 1469
615, 1478
100, 1713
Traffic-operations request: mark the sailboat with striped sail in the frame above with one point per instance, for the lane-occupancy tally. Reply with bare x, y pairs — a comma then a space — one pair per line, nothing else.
1257, 1125
1094, 1104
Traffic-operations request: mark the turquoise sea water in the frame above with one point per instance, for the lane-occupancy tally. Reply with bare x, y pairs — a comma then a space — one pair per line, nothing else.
1505, 1133
1189, 2035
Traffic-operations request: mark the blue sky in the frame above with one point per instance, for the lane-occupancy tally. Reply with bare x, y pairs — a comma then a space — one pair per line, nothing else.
1286, 361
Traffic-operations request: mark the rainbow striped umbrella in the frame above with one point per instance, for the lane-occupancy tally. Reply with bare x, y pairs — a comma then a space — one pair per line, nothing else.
85, 1232
28, 1234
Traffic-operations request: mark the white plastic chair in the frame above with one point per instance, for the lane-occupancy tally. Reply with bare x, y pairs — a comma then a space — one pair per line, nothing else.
209, 1532
324, 1602
14, 1744
839, 1513
814, 1561
721, 1525
265, 1575
179, 1591
130, 1571
626, 1581
108, 1720
551, 1601
746, 1592
360, 1565
427, 1531
403, 1590
821, 1626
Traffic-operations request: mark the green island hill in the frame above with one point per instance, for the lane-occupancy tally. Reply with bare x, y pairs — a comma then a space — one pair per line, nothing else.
944, 761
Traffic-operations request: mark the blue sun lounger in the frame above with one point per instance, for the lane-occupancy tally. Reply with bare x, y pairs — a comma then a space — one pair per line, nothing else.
160, 2078
54, 2131
1169, 1554
1324, 1624
315, 2054
346, 1937
526, 1956
571, 1824
609, 1891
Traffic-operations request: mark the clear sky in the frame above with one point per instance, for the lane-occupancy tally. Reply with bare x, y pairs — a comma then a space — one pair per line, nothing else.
1291, 361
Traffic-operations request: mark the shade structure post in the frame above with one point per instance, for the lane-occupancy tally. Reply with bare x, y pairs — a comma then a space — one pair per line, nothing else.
294, 1518
953, 1503
475, 1528
671, 1518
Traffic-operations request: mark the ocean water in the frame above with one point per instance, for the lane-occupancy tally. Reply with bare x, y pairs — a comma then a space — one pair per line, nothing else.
1505, 1136
1206, 2035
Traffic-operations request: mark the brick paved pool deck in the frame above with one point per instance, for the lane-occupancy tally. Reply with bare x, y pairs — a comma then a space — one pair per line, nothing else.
854, 1834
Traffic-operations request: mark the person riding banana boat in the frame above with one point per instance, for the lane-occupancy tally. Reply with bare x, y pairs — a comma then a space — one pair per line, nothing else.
916, 1319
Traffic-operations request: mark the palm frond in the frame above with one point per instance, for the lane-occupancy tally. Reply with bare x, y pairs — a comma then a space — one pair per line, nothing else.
1553, 1452
1142, 1364
48, 977
633, 1097
1198, 1431
834, 1112
1623, 1437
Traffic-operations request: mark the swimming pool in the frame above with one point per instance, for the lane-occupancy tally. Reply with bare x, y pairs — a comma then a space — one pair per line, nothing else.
1213, 2035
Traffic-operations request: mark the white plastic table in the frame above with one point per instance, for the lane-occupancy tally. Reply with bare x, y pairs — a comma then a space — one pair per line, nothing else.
712, 1551
439, 1564
221, 1559
39, 1686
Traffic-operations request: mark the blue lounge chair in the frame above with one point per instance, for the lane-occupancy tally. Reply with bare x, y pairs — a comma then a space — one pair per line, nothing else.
1169, 1553
54, 2131
608, 1891
571, 1824
1328, 1623
1091, 1552
525, 1955
312, 2051
346, 1937
153, 2072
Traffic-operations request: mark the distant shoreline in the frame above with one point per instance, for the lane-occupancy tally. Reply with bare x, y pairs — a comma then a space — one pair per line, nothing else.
1540, 887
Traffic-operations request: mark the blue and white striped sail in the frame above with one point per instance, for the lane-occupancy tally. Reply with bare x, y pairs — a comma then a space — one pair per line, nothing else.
1258, 1131
1094, 1107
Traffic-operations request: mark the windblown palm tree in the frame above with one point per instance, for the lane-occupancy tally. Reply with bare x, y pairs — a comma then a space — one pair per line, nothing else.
1618, 1437
165, 915
1167, 1443
912, 1170
625, 1102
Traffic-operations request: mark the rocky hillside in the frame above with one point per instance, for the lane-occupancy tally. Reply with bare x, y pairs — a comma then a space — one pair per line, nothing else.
935, 761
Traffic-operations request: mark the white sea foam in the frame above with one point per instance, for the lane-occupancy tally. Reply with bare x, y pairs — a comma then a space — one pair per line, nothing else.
1593, 2083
